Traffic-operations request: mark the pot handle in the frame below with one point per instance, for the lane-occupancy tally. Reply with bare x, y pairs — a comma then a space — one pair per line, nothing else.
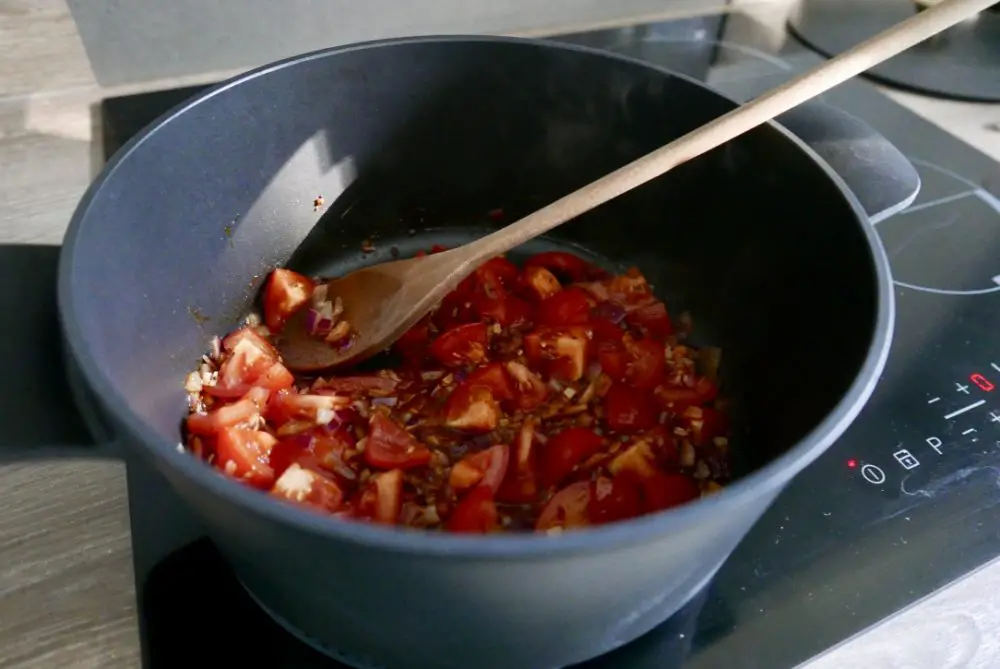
878, 174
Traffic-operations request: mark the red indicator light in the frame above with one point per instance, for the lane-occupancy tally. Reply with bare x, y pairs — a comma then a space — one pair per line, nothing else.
982, 382
852, 463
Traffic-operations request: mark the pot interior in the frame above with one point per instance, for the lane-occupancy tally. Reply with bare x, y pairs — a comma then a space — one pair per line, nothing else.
412, 143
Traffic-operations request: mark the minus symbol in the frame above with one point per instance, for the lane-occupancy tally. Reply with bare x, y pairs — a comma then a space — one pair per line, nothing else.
933, 400
969, 431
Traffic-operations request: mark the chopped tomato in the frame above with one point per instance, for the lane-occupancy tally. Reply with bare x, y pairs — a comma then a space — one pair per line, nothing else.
493, 376
648, 366
277, 377
308, 487
530, 391
485, 468
614, 359
567, 307
472, 409
243, 454
630, 288
476, 513
328, 448
390, 446
413, 343
566, 450
288, 405
382, 499
566, 266
628, 409
456, 309
352, 385
498, 271
606, 331
287, 451
236, 414
248, 358
461, 345
520, 485
612, 500
652, 319
677, 398
567, 509
539, 283
664, 491
506, 310
285, 293
562, 352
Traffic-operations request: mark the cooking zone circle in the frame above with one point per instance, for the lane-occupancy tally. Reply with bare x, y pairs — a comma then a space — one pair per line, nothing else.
949, 245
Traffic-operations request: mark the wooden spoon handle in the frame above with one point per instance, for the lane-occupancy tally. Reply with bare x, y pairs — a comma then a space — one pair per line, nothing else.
806, 86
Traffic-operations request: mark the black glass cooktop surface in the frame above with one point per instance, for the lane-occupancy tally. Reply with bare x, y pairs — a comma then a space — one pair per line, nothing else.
906, 502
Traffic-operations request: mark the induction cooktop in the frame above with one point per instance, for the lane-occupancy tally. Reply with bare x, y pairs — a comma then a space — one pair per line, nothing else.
905, 503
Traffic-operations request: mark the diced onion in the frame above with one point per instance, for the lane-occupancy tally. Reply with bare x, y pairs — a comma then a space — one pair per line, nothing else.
319, 319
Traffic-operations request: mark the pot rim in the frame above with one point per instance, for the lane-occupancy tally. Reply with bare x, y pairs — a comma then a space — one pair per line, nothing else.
769, 478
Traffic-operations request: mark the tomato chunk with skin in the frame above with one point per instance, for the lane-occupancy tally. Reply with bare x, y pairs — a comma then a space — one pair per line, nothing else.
476, 513
678, 397
390, 446
287, 406
567, 307
285, 293
493, 376
566, 450
563, 352
472, 409
566, 266
461, 345
497, 271
627, 409
662, 491
530, 391
308, 487
520, 485
243, 454
248, 358
653, 319
244, 412
382, 499
612, 500
485, 468
505, 310
568, 508
647, 367
539, 283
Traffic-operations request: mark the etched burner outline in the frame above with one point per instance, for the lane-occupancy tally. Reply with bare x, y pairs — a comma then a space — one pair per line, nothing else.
974, 191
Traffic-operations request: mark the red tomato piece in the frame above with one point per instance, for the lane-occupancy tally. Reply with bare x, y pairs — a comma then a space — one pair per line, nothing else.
248, 357
498, 271
648, 366
308, 487
614, 359
288, 451
288, 405
566, 266
568, 508
236, 414
472, 409
566, 450
561, 352
628, 409
285, 293
530, 392
413, 344
243, 454
652, 319
704, 423
630, 288
507, 310
520, 485
475, 514
493, 376
456, 308
677, 398
606, 331
461, 345
485, 468
567, 307
664, 491
612, 500
328, 448
538, 283
277, 377
389, 446
382, 499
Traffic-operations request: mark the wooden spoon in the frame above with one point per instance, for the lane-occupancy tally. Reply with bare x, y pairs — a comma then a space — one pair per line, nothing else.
383, 301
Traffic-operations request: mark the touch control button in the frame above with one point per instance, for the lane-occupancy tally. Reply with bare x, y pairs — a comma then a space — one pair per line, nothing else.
873, 474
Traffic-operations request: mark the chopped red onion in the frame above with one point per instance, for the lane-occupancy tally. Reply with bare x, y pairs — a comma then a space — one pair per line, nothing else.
319, 319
